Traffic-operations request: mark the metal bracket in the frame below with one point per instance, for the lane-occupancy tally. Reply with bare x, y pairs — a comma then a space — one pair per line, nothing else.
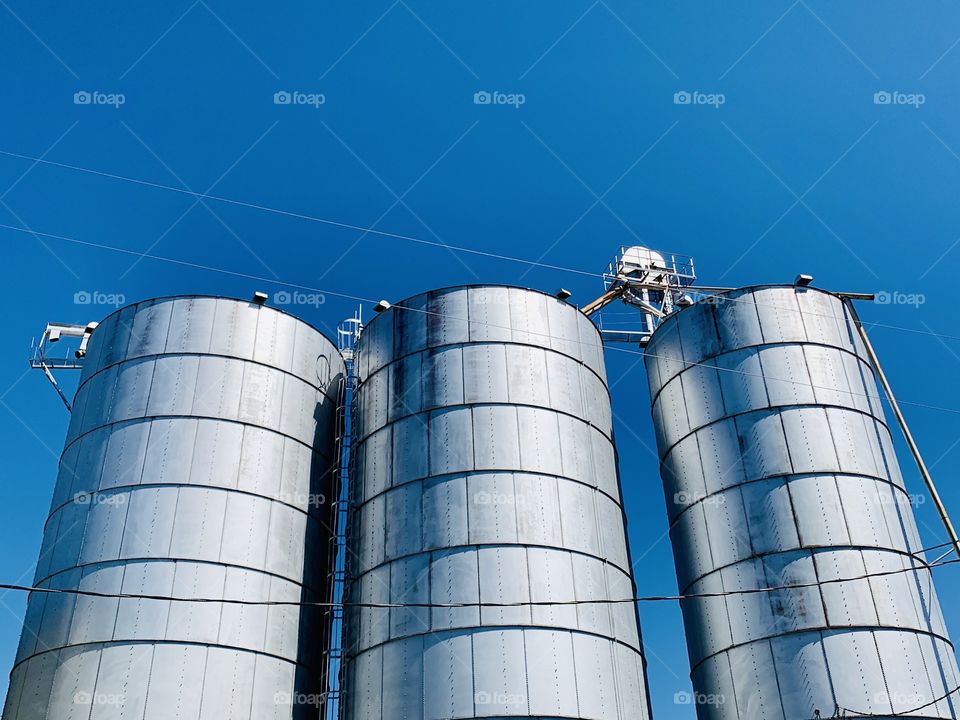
43, 359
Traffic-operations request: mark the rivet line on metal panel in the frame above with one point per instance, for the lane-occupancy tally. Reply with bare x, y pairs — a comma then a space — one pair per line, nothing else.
760, 345
220, 356
497, 343
440, 409
489, 545
458, 629
821, 629
181, 416
813, 550
690, 363
777, 408
84, 497
125, 642
788, 477
487, 471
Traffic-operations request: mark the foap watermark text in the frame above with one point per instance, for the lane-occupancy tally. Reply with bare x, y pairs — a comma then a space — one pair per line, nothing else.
689, 497
484, 97
96, 97
696, 97
896, 297
295, 297
698, 698
296, 97
896, 97
96, 297
482, 697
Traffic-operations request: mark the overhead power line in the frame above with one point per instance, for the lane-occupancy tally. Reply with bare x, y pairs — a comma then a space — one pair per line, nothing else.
359, 298
385, 233
300, 216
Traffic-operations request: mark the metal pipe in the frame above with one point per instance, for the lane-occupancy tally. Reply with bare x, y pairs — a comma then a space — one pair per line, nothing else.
921, 465
608, 297
56, 386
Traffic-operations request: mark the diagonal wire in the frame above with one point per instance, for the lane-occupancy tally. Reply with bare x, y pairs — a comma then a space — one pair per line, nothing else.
199, 197
202, 202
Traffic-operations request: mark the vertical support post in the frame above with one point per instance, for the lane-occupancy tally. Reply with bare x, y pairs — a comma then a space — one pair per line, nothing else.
901, 420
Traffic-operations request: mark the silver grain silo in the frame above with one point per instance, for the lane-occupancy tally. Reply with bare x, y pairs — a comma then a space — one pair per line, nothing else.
196, 465
486, 473
779, 470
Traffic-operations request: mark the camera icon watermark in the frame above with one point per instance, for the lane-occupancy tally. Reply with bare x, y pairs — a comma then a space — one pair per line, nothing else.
295, 97
487, 498
899, 699
484, 97
696, 97
96, 297
915, 500
698, 698
896, 297
93, 498
288, 699
895, 97
296, 297
301, 499
483, 697
87, 698
95, 97
689, 497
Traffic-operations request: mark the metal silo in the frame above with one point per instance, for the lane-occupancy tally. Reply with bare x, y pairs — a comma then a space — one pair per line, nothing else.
197, 465
779, 470
486, 473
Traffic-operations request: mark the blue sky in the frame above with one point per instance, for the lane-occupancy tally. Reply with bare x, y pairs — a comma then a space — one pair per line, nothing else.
785, 161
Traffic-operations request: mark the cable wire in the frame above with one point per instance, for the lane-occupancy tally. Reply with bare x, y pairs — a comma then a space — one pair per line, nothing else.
532, 603
903, 713
358, 298
388, 234
302, 216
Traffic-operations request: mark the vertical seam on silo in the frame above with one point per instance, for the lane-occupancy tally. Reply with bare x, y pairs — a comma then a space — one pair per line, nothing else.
883, 673
828, 671
146, 694
526, 548
618, 690
576, 596
96, 679
226, 504
776, 675
203, 679
700, 575
526, 670
272, 505
756, 310
926, 670
796, 520
102, 463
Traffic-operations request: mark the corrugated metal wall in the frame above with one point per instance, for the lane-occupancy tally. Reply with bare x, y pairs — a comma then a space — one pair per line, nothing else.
197, 464
486, 472
779, 469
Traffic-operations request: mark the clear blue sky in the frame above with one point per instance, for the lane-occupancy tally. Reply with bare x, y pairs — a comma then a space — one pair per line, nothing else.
799, 169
